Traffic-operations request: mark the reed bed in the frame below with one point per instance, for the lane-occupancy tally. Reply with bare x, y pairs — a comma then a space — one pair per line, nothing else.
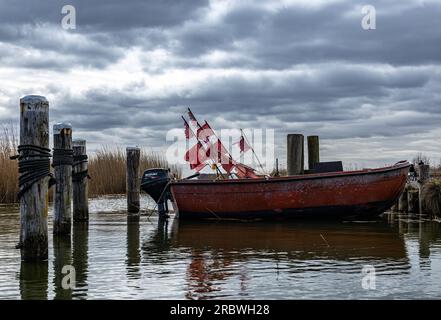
107, 169
431, 198
8, 168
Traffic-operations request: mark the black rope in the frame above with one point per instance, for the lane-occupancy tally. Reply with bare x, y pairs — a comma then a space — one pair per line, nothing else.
33, 165
62, 157
80, 176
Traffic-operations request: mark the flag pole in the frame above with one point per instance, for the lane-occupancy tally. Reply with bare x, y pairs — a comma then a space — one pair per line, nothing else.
252, 149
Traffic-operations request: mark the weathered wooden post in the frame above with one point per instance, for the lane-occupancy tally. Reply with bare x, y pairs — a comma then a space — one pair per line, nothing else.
132, 179
295, 154
413, 201
80, 181
402, 201
62, 162
34, 169
313, 151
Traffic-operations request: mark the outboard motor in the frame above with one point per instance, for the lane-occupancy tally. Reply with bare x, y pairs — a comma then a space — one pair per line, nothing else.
155, 183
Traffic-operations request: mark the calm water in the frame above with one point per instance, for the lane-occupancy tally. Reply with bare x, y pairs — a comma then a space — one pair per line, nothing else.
117, 259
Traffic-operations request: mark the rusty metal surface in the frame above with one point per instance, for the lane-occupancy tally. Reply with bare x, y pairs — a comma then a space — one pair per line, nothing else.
368, 189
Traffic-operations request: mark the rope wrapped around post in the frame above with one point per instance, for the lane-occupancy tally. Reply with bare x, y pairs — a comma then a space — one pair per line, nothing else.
62, 157
33, 165
78, 160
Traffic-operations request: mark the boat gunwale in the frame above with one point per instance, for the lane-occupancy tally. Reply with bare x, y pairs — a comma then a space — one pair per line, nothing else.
398, 166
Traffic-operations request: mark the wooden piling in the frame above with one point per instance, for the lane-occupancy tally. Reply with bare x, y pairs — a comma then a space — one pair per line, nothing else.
132, 179
313, 151
295, 154
402, 202
62, 163
80, 181
34, 131
413, 201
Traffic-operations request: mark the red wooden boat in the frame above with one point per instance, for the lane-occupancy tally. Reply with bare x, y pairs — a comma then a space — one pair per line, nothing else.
336, 193
344, 193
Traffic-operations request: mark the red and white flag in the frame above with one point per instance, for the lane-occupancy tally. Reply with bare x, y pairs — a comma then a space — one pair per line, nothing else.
193, 120
197, 156
188, 132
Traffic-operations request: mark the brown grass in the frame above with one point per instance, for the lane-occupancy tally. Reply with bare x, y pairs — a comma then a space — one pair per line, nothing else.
8, 168
107, 168
431, 197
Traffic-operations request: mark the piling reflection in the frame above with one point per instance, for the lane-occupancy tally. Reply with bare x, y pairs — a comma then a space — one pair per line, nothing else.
62, 257
133, 258
80, 248
158, 243
34, 280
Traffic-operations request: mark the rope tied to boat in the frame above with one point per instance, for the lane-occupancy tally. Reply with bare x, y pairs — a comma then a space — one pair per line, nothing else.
81, 175
62, 157
33, 165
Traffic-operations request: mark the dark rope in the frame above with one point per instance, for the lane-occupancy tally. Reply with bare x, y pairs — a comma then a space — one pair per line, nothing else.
77, 161
33, 165
62, 157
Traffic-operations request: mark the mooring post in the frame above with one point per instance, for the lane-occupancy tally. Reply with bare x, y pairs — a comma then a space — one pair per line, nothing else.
295, 154
402, 201
62, 162
313, 151
80, 181
34, 167
132, 179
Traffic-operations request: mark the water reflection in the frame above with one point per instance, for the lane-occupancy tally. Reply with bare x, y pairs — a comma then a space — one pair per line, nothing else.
62, 257
116, 257
133, 257
226, 250
34, 280
158, 242
80, 258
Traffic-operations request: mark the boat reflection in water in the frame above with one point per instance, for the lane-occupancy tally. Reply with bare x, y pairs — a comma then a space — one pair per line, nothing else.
231, 250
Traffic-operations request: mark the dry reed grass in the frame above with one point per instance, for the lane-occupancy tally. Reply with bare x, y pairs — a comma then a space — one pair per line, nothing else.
8, 168
431, 198
107, 168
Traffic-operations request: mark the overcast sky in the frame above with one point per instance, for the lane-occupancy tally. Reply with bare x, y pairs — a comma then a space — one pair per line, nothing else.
130, 68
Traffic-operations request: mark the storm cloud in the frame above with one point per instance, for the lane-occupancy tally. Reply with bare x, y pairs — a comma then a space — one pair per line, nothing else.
130, 68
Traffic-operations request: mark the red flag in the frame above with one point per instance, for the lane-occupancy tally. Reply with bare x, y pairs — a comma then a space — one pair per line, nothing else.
188, 132
243, 145
196, 156
221, 154
205, 132
192, 117
244, 171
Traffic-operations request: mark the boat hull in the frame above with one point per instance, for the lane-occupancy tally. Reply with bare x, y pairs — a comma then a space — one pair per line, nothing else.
339, 194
